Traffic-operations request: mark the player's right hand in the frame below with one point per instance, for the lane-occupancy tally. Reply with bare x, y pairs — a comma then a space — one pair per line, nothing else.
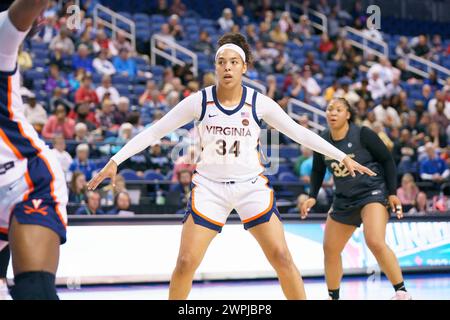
306, 206
108, 171
353, 166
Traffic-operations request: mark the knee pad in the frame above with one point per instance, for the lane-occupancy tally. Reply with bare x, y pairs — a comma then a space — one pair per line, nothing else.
35, 285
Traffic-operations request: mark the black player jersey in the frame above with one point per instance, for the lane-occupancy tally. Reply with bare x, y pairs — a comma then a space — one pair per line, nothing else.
364, 146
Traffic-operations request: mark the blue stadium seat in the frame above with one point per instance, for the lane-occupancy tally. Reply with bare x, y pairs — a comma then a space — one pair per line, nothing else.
152, 175
288, 177
288, 152
129, 174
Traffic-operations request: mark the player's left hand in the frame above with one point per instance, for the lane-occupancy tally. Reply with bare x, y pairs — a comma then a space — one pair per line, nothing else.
396, 206
353, 166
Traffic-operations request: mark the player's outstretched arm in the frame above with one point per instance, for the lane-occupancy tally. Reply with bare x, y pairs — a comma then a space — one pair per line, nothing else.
23, 13
274, 115
14, 26
183, 113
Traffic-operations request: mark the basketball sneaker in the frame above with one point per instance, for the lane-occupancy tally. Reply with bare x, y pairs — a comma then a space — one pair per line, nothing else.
401, 295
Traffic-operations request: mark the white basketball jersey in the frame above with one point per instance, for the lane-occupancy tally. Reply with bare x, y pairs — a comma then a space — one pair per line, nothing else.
229, 138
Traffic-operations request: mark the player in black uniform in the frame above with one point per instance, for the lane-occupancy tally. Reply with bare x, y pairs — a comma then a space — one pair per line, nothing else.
359, 199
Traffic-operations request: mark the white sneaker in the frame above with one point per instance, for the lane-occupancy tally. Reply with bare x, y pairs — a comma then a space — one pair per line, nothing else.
401, 295
3, 290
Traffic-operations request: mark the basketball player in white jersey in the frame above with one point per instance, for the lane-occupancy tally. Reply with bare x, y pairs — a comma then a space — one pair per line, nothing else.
229, 174
33, 191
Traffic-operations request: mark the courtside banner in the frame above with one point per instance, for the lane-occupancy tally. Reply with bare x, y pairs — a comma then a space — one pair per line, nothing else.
99, 254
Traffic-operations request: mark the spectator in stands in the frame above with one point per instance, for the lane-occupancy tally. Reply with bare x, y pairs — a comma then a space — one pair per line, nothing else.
286, 23
59, 124
364, 93
333, 24
82, 135
161, 8
437, 49
269, 19
408, 192
24, 60
331, 90
56, 80
422, 49
278, 36
300, 200
240, 18
134, 118
92, 206
272, 91
82, 162
122, 202
325, 46
102, 65
105, 117
58, 57
166, 35
405, 152
76, 78
106, 87
347, 92
323, 7
403, 49
427, 94
77, 188
102, 42
83, 114
183, 186
314, 67
124, 135
172, 99
303, 28
125, 65
175, 28
86, 94
432, 167
417, 131
49, 30
436, 135
147, 94
204, 43
383, 68
439, 116
63, 157
178, 8
121, 114
152, 102
386, 114
82, 59
433, 81
311, 87
394, 88
63, 38
226, 20
264, 33
439, 97
420, 204
405, 75
297, 88
187, 161
156, 159
376, 86
121, 42
35, 113
86, 39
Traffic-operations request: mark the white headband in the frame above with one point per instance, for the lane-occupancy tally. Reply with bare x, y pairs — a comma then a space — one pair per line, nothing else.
231, 46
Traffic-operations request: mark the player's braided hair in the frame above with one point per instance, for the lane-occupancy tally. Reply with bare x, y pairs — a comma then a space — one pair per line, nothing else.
348, 106
239, 40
